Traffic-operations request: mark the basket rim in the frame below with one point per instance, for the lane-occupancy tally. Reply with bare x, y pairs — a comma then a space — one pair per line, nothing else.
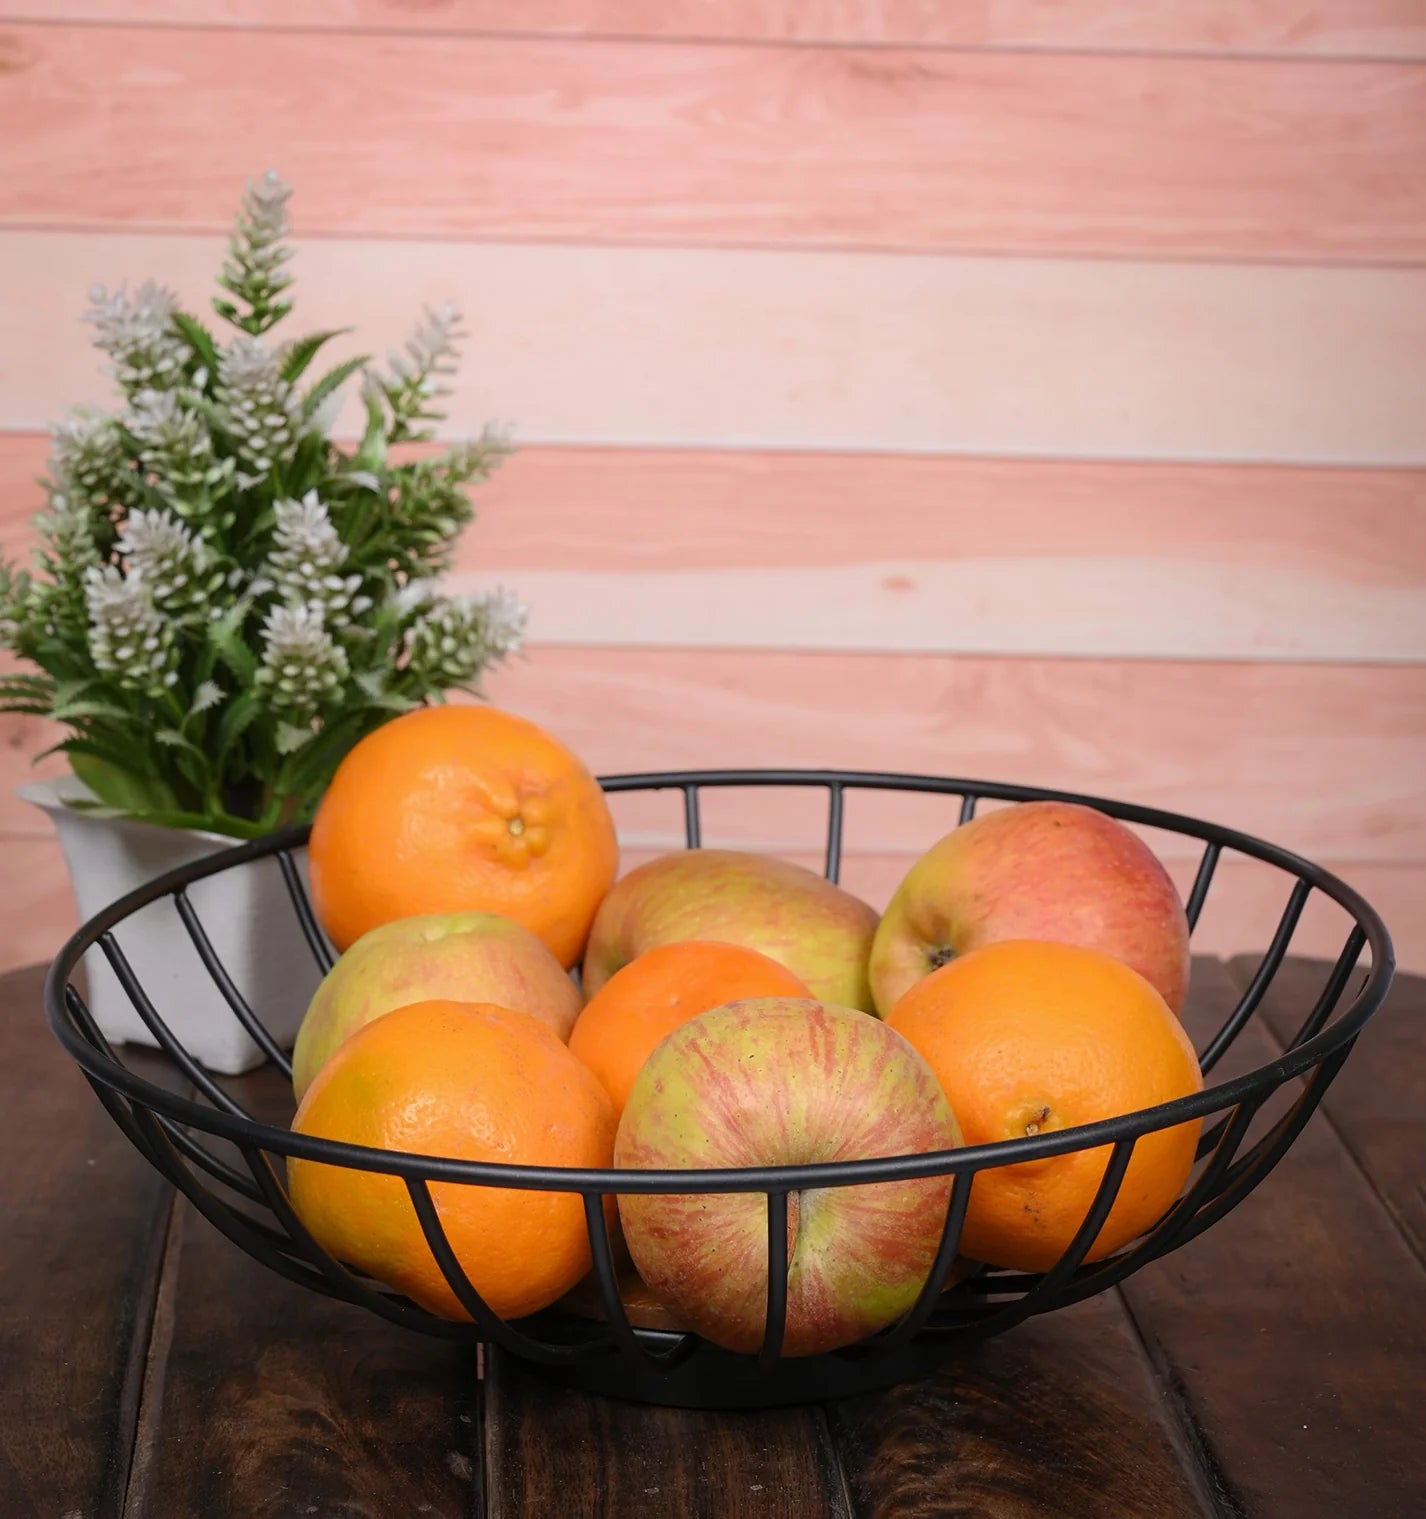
101, 1065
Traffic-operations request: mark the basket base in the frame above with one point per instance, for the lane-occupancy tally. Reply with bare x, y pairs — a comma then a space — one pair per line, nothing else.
709, 1378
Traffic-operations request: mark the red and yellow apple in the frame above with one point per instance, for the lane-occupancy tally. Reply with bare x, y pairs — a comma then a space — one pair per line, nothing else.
785, 1081
821, 933
1039, 870
459, 957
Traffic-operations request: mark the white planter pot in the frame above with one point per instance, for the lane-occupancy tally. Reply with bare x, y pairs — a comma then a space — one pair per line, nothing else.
245, 911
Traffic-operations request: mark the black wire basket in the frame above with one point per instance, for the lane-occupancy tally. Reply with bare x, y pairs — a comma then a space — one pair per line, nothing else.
227, 1163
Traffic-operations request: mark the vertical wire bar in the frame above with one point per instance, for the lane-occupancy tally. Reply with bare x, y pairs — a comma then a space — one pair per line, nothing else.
692, 828
259, 1241
346, 1283
1201, 882
606, 1278
1088, 1231
950, 1243
301, 904
1336, 984
776, 1327
1245, 1176
968, 802
492, 1326
1261, 980
161, 1031
231, 995
833, 867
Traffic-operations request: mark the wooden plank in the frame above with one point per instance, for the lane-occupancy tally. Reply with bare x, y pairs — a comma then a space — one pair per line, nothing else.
1375, 1104
1070, 1387
1322, 759
261, 1393
1341, 28
666, 142
720, 348
653, 510
1319, 759
37, 912
877, 553
550, 1450
37, 907
1284, 1325
85, 1218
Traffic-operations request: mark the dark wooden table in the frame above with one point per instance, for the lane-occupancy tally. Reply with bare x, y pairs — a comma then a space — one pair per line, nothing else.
1275, 1366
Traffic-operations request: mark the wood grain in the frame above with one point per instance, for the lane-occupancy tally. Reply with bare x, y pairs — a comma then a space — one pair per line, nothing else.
1242, 912
1314, 1297
629, 1461
1376, 1113
870, 553
1342, 28
1322, 759
1071, 1387
588, 140
729, 349
85, 1217
259, 1389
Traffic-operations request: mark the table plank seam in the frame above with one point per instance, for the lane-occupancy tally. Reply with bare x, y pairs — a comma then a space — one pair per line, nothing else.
148, 1410
1324, 1115
1190, 1442
829, 1457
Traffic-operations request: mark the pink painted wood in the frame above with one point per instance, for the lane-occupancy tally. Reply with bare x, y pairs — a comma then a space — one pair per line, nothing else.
669, 142
1342, 28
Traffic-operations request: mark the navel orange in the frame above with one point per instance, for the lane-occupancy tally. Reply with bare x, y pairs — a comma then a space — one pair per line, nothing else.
462, 808
663, 988
1028, 1036
468, 1081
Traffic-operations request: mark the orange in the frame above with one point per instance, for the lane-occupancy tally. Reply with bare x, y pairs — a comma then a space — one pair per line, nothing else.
457, 809
1027, 1037
661, 989
468, 1081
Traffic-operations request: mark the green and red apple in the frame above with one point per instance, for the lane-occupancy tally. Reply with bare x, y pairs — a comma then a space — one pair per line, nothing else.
461, 957
1039, 870
821, 933
782, 1081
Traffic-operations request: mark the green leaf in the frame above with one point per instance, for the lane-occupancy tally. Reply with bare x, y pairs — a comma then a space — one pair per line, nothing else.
372, 453
199, 339
299, 354
238, 716
119, 786
71, 710
334, 379
226, 639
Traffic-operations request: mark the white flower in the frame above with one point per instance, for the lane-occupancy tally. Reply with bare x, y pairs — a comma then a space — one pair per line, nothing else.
259, 409
306, 556
176, 449
264, 210
207, 696
137, 332
170, 558
128, 638
457, 638
412, 596
431, 348
301, 663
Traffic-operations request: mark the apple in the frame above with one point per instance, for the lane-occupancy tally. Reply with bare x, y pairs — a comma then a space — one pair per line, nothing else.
821, 933
459, 956
785, 1081
1039, 870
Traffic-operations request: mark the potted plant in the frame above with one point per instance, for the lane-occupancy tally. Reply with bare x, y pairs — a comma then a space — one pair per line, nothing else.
225, 599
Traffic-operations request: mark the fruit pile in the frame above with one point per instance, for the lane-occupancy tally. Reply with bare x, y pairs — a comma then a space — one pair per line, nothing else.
499, 996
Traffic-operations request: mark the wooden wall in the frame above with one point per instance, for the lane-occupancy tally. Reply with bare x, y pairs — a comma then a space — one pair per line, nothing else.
1023, 389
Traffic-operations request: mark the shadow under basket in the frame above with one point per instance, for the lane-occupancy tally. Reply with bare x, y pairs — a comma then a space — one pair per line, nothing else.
231, 1166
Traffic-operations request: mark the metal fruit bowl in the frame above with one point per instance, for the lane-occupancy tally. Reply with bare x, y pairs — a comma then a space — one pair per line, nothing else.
226, 1162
